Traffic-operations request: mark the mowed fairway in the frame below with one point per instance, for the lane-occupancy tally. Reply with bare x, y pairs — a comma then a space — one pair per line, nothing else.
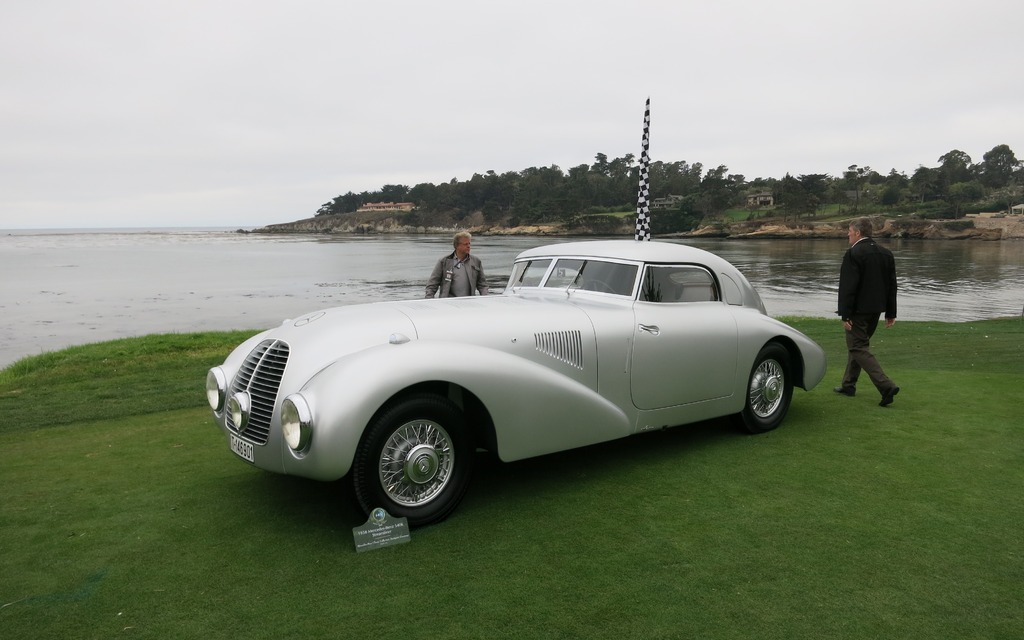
124, 515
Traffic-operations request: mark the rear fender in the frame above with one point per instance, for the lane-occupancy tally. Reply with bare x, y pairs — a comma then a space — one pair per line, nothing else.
809, 360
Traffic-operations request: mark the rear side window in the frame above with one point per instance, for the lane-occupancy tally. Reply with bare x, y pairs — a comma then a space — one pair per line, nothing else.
733, 294
678, 283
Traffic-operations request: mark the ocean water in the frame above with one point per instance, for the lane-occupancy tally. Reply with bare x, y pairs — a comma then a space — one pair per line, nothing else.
67, 287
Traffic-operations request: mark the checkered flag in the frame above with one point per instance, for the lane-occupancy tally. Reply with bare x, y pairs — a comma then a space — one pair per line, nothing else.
643, 196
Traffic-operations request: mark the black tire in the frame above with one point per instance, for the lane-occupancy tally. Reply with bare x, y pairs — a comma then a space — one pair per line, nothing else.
769, 390
414, 460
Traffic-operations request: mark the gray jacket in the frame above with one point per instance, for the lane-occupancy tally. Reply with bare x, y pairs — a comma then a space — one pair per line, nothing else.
440, 277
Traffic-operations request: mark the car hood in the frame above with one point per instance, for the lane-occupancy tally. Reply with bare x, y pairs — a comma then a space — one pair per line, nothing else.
319, 338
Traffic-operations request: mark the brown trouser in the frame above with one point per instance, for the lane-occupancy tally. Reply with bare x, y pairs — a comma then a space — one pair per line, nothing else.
858, 343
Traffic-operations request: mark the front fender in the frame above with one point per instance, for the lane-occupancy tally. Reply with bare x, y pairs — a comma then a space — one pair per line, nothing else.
534, 408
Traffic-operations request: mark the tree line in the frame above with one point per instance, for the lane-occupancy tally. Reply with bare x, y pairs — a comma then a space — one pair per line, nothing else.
548, 194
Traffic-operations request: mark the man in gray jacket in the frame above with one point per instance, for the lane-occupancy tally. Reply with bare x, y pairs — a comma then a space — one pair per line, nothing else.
458, 274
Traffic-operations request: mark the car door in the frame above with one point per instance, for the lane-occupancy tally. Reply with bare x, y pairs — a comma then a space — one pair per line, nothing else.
685, 339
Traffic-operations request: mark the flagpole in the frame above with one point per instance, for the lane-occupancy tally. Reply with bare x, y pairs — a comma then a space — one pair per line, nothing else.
643, 196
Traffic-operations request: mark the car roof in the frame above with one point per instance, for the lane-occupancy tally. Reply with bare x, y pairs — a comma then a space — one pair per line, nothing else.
644, 251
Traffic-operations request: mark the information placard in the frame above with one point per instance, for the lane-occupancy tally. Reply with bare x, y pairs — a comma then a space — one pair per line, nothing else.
380, 530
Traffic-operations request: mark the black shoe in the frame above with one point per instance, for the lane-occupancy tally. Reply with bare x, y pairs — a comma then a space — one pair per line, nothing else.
888, 396
847, 391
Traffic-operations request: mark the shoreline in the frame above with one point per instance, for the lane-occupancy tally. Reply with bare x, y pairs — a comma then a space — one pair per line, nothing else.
984, 228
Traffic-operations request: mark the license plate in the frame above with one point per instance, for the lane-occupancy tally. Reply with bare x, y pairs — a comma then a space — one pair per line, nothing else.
241, 448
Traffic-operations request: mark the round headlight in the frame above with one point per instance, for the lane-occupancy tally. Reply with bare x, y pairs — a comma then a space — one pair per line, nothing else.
296, 422
216, 388
238, 407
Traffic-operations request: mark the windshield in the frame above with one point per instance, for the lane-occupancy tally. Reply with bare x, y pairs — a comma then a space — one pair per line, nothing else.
582, 274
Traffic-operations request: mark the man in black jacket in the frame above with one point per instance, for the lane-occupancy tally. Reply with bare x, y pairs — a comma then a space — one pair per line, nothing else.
867, 289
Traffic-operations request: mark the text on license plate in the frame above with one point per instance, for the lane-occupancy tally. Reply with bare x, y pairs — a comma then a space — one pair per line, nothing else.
241, 447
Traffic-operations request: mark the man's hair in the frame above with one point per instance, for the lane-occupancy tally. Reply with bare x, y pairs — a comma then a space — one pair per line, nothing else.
863, 225
459, 236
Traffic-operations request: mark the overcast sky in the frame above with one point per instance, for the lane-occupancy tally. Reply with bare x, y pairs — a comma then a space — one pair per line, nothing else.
146, 113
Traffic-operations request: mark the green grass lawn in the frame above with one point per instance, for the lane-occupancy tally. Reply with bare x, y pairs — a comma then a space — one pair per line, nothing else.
125, 515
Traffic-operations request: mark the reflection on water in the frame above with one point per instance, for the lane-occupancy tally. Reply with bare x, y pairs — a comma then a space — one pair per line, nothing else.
65, 288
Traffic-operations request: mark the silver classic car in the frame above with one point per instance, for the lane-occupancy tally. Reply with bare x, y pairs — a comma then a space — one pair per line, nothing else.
590, 341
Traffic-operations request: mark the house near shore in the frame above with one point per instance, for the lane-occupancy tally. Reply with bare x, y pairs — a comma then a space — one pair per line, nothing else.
1017, 210
670, 202
386, 206
762, 199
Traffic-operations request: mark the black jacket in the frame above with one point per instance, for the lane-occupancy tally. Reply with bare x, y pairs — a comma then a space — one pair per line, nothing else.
867, 281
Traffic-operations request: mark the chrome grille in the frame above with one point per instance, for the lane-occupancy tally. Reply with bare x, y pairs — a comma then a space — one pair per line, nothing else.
564, 346
260, 375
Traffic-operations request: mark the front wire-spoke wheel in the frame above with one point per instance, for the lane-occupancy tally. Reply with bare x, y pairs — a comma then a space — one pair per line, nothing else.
769, 390
414, 460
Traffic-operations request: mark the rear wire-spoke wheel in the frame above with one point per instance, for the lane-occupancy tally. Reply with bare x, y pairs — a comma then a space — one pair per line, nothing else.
414, 460
769, 390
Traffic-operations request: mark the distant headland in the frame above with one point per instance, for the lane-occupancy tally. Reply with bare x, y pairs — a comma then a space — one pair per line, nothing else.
974, 227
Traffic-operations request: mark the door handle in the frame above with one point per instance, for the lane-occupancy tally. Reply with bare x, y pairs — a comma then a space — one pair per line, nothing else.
651, 329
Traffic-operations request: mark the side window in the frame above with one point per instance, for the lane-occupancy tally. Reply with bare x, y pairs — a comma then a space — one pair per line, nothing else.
529, 274
679, 283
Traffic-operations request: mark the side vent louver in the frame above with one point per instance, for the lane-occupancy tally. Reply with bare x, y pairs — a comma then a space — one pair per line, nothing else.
564, 346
